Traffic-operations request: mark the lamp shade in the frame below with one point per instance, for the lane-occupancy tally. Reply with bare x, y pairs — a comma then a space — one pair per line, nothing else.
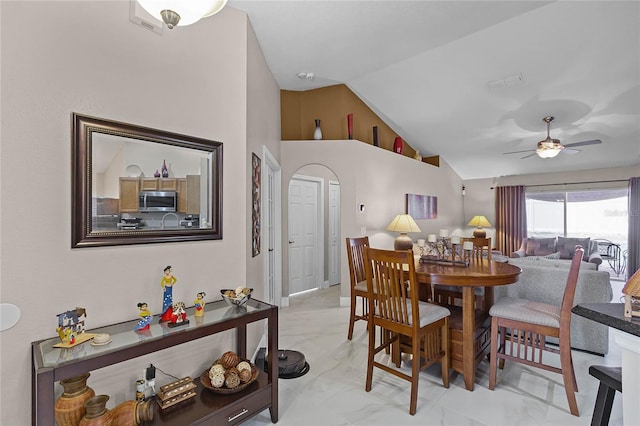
189, 12
403, 223
479, 221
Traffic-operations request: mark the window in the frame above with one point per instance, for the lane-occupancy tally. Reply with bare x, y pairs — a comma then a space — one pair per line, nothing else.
598, 214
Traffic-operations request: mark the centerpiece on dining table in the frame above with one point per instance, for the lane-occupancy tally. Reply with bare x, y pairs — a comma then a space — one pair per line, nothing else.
444, 249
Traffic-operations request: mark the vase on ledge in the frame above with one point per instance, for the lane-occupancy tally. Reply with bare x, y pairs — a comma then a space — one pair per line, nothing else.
97, 413
165, 171
317, 133
69, 408
132, 413
397, 145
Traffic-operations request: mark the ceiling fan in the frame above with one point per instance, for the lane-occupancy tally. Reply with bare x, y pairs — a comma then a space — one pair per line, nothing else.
549, 148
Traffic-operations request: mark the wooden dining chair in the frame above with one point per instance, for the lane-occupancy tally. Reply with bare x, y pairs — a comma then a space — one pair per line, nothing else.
392, 290
358, 280
525, 324
481, 248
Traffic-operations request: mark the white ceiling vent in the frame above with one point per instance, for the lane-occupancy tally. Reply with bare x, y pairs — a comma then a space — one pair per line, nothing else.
513, 80
139, 16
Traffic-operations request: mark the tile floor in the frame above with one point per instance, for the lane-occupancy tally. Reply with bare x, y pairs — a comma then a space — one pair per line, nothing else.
332, 392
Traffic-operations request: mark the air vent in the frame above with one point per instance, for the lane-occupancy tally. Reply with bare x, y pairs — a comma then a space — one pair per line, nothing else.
139, 16
510, 81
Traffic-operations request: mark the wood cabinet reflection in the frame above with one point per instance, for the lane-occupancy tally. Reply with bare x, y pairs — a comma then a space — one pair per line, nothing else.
129, 188
188, 190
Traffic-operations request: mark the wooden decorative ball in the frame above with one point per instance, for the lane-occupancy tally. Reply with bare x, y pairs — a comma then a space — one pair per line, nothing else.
229, 359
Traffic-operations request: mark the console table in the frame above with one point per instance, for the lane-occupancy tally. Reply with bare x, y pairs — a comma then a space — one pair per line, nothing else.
54, 364
626, 333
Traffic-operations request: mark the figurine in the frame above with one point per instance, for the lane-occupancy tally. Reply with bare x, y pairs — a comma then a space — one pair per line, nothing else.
199, 304
167, 283
71, 326
145, 317
179, 315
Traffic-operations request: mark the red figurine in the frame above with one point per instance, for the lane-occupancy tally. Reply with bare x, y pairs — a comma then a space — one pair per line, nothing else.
179, 315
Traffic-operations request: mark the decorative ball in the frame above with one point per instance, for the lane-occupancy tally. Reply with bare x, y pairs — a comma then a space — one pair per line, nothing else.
216, 369
217, 380
243, 365
232, 379
229, 359
245, 375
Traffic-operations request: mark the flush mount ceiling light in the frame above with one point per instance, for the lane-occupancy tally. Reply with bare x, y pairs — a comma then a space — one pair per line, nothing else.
181, 12
549, 148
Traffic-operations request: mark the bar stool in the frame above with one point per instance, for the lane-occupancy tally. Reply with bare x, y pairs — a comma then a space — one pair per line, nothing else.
610, 382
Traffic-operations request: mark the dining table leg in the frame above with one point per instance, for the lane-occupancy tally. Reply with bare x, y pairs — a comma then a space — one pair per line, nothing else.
468, 327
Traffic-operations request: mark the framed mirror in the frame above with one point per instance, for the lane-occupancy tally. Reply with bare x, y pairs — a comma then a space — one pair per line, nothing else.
137, 185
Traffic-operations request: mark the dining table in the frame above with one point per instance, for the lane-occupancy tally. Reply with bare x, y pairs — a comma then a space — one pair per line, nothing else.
469, 324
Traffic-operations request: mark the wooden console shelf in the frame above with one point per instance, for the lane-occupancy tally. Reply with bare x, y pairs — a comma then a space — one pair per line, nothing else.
54, 364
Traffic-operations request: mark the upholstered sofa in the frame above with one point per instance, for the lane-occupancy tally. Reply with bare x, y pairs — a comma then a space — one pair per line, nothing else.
559, 248
543, 280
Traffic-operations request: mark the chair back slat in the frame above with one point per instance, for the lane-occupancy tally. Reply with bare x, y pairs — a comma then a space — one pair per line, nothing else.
355, 256
390, 275
481, 248
570, 290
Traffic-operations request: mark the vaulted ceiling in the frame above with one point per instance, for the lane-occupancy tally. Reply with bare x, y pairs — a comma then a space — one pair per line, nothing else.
471, 80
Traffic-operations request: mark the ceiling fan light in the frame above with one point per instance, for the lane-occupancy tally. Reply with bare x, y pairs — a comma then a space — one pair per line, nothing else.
188, 12
547, 152
170, 18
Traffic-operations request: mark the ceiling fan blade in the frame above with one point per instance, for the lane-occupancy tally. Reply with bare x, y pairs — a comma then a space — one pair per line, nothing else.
518, 152
530, 155
583, 143
569, 151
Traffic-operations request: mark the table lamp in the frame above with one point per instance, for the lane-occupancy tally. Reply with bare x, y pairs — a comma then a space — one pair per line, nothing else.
479, 221
403, 223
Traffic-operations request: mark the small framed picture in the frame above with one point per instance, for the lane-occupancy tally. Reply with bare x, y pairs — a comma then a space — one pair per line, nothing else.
421, 206
255, 209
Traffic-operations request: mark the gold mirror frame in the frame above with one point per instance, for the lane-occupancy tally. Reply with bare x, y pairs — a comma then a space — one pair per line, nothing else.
83, 234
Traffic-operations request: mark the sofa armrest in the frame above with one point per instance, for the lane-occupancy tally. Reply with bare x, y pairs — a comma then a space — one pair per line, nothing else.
595, 258
518, 253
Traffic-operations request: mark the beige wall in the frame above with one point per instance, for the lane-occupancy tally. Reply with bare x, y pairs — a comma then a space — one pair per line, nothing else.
60, 57
263, 130
379, 179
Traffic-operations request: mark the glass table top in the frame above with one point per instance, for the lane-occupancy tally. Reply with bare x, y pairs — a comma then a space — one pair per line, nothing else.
123, 334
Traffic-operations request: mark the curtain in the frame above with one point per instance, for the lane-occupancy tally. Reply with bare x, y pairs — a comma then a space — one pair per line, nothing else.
633, 250
511, 218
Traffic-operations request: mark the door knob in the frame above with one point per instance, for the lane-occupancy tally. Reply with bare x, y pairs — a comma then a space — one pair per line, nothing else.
291, 242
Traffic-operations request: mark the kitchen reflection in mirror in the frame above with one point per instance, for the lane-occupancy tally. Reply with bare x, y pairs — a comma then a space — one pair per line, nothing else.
133, 185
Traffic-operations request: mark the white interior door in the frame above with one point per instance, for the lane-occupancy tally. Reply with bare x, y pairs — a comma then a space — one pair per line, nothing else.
305, 236
334, 233
271, 208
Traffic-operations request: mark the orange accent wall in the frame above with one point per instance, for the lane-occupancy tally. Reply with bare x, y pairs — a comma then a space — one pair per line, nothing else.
300, 109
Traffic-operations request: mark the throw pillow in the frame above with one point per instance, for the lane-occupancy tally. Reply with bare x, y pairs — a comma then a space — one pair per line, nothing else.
532, 245
540, 246
567, 246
